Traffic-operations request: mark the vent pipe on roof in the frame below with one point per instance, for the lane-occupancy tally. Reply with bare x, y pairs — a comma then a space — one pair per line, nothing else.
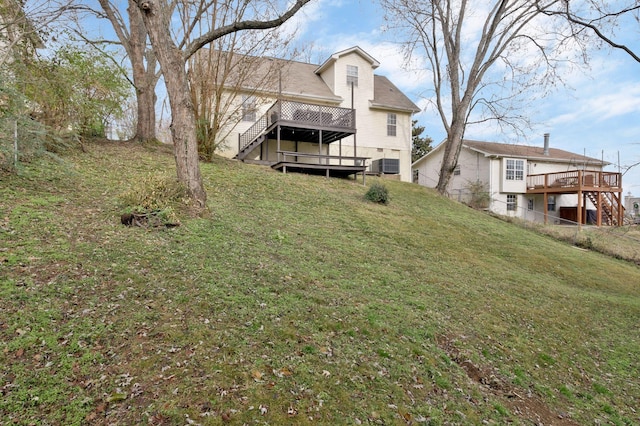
546, 144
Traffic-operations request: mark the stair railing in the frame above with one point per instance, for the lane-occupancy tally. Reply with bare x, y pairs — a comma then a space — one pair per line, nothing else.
252, 133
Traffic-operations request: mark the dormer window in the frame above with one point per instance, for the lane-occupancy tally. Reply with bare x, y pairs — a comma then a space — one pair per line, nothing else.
352, 75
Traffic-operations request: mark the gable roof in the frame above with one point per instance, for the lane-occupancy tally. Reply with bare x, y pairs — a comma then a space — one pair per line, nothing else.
333, 58
387, 95
301, 80
533, 153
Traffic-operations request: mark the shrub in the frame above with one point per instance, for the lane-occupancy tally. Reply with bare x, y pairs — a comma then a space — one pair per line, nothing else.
378, 193
480, 197
154, 198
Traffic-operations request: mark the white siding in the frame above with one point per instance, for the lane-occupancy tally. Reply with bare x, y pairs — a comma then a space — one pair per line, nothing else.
371, 124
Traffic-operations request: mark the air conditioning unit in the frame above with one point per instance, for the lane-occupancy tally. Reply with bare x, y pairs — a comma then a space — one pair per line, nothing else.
388, 166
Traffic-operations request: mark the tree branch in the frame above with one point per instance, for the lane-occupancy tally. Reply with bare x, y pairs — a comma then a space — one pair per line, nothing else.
212, 35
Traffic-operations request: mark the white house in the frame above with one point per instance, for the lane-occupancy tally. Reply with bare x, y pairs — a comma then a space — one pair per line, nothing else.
632, 207
337, 118
540, 184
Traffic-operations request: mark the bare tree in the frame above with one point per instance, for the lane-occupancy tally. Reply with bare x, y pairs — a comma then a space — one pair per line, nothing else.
233, 74
484, 57
172, 56
132, 36
599, 17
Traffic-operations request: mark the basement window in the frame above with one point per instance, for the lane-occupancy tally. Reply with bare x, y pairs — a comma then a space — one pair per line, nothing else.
512, 202
551, 203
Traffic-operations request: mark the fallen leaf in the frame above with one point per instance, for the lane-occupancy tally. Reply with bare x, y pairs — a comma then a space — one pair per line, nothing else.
256, 375
117, 397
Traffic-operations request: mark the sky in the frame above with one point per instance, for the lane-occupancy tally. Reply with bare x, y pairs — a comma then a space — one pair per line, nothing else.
596, 113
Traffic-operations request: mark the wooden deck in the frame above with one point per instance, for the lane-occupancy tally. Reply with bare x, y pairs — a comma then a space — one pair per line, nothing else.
299, 121
321, 164
316, 124
603, 189
574, 181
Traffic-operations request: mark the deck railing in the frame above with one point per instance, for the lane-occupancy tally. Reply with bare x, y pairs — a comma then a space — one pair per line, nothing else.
324, 159
294, 113
574, 179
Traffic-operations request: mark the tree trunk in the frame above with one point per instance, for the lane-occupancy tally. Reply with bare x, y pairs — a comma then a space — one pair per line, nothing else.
144, 78
146, 101
183, 123
452, 147
455, 134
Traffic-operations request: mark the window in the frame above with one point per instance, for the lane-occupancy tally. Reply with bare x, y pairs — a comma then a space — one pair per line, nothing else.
456, 170
515, 169
352, 75
551, 203
512, 202
248, 108
416, 176
530, 204
391, 124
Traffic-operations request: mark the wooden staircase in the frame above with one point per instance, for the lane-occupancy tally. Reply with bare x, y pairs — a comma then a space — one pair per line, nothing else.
249, 147
253, 137
610, 203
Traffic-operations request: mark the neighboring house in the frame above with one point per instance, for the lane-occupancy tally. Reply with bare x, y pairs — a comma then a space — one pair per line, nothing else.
337, 118
632, 207
540, 184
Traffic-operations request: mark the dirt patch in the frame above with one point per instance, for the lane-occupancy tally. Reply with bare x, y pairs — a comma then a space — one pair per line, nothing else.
520, 402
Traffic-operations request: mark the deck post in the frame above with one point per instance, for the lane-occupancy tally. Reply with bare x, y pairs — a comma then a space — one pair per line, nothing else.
319, 146
278, 137
599, 210
546, 207
620, 215
580, 204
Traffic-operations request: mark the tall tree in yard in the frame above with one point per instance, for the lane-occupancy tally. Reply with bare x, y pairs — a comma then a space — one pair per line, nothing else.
132, 34
486, 58
172, 56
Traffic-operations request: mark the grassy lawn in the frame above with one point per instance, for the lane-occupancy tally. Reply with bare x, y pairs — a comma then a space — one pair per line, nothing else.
295, 301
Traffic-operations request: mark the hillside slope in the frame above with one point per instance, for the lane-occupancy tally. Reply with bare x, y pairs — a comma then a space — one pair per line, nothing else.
296, 301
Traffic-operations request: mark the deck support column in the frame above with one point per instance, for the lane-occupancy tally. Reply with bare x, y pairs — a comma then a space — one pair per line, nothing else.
599, 210
619, 202
278, 138
580, 203
320, 146
546, 207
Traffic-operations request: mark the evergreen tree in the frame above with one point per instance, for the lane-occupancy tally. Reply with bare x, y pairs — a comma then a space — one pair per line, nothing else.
420, 145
